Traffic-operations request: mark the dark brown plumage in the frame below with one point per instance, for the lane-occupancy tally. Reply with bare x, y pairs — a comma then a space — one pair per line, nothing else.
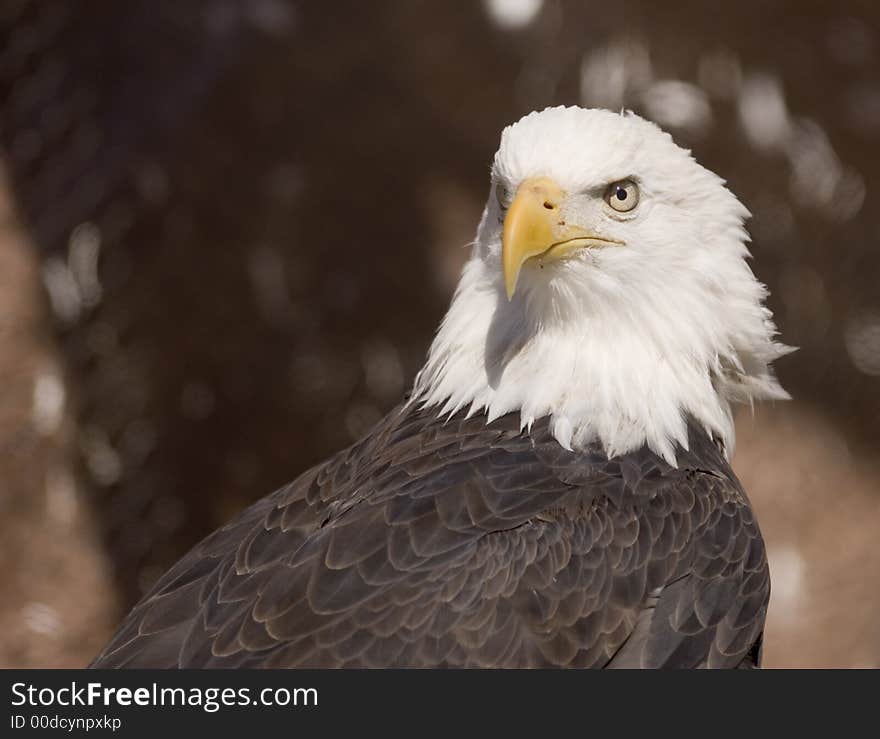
462, 544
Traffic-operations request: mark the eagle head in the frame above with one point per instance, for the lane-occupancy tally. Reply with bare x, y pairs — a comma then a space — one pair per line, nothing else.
608, 289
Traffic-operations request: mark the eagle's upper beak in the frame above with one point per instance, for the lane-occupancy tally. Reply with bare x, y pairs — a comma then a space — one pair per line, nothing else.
534, 227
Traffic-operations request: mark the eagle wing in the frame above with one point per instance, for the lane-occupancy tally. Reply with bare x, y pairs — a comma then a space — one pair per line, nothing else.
465, 544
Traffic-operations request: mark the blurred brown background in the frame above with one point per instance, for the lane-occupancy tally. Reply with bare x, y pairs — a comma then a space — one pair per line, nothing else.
229, 229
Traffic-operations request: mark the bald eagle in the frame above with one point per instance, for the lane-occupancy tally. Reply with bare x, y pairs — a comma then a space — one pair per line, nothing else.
555, 492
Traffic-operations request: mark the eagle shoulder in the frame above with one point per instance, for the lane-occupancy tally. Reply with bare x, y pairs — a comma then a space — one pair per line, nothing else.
461, 543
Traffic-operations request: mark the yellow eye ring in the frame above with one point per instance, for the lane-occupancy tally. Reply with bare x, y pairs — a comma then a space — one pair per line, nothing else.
623, 195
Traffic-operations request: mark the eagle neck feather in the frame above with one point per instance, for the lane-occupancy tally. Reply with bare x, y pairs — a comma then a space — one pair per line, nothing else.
628, 374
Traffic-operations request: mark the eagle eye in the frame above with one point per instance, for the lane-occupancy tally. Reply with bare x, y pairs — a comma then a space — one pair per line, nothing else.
623, 195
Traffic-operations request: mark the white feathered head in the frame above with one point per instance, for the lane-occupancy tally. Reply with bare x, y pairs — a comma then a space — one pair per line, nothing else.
608, 288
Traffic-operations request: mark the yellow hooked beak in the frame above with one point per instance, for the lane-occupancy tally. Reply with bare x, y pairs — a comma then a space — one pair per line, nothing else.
534, 228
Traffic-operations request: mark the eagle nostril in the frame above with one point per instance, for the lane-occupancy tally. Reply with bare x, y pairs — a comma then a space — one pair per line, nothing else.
549, 206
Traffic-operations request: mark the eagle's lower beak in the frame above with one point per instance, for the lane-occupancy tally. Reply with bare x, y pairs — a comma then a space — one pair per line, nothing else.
534, 227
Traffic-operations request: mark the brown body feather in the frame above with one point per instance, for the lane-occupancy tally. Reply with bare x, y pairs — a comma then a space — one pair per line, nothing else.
455, 543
